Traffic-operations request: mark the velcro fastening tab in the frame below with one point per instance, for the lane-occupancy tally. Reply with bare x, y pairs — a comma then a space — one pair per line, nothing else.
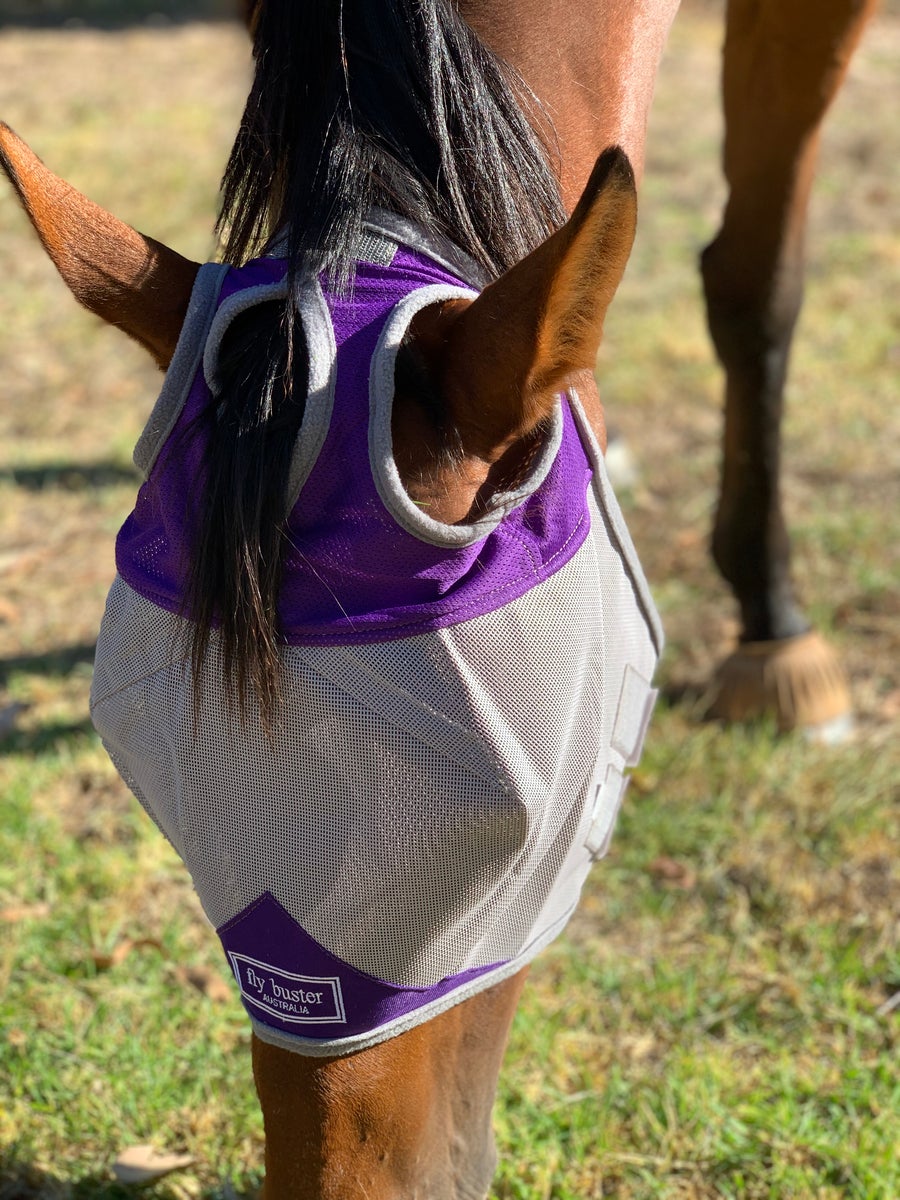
376, 248
636, 701
607, 802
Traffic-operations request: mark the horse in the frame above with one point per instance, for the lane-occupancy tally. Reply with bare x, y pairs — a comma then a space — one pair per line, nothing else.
475, 383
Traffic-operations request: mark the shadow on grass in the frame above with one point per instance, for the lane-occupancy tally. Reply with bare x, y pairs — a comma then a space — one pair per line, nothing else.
112, 14
57, 662
69, 477
35, 742
692, 696
22, 1181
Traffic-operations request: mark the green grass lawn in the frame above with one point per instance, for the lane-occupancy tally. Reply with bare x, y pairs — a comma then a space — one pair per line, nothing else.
716, 1022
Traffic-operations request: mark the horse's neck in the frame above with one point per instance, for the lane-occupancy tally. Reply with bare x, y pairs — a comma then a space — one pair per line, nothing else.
558, 45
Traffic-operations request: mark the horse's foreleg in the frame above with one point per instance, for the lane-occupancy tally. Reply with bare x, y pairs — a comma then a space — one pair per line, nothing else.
784, 62
408, 1118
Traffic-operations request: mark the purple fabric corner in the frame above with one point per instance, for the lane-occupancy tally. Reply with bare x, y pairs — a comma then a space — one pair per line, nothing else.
290, 982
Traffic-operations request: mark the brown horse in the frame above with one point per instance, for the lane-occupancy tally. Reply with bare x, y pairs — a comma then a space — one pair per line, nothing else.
410, 1116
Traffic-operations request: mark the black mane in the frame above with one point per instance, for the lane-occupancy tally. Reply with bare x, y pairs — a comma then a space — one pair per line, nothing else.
394, 103
354, 104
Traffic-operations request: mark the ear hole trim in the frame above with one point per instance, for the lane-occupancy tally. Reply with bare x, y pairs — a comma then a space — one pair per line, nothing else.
322, 355
381, 449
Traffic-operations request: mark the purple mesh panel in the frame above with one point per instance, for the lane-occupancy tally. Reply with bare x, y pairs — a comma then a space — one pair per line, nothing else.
353, 573
367, 579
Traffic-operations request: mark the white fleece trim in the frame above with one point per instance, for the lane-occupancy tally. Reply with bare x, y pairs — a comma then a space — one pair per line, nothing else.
183, 367
322, 352
236, 303
381, 449
322, 355
616, 527
437, 247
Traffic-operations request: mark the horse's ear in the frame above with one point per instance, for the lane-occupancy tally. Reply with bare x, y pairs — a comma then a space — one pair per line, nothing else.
249, 12
129, 280
528, 333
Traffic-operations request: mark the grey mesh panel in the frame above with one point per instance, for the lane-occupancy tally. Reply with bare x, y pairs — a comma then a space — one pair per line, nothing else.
428, 803
617, 530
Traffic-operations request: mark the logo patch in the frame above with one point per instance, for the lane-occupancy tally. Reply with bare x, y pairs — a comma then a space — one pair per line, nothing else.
300, 999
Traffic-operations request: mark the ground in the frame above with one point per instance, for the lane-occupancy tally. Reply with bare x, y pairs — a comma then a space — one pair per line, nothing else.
716, 1022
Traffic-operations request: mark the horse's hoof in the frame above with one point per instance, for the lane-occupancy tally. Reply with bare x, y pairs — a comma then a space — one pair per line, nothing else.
799, 680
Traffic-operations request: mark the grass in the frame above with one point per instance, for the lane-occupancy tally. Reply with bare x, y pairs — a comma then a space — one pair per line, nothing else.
714, 1032
714, 1023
